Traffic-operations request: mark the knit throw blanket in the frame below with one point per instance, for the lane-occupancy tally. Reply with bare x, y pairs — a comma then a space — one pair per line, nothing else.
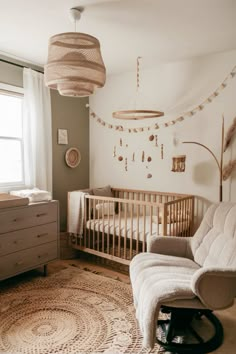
76, 212
156, 280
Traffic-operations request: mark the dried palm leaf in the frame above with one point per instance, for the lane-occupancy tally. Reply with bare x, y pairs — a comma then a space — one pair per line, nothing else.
230, 134
228, 169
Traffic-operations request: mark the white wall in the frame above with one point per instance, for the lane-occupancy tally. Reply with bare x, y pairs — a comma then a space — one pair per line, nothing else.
174, 88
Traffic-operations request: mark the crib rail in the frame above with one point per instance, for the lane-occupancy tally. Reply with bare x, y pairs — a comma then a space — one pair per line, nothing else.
118, 227
143, 195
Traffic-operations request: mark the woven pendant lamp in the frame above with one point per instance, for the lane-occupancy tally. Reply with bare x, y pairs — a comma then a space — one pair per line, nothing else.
136, 114
75, 66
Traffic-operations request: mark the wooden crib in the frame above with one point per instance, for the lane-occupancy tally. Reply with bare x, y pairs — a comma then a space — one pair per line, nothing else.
118, 227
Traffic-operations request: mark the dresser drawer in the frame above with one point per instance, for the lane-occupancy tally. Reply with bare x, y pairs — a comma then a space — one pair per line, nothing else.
32, 215
22, 239
18, 262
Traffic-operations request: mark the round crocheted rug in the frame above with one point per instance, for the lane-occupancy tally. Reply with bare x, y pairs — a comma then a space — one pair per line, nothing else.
72, 311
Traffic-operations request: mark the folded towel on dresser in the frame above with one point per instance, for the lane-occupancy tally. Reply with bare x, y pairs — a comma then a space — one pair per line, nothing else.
34, 195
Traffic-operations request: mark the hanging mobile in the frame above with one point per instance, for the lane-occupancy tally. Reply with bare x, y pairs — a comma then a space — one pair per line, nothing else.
151, 137
133, 158
156, 140
126, 164
162, 153
114, 151
120, 142
143, 156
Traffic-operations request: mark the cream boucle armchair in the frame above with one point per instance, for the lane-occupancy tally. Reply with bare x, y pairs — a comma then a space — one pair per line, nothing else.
187, 277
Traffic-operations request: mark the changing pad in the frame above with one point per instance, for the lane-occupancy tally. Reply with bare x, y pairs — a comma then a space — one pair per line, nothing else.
34, 195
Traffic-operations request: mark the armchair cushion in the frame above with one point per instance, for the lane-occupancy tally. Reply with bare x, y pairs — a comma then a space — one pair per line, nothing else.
169, 245
214, 243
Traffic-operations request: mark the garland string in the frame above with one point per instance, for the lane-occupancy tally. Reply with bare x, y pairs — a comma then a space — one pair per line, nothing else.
179, 119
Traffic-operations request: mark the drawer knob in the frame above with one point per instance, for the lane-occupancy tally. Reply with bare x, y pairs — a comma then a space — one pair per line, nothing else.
41, 214
42, 255
19, 263
42, 235
17, 241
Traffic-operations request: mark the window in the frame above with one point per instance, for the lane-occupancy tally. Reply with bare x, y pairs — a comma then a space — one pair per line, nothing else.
11, 137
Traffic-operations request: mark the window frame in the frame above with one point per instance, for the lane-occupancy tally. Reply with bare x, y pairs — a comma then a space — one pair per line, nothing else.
14, 91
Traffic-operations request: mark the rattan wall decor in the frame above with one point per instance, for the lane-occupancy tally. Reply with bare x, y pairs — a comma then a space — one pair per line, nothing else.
75, 66
178, 163
72, 157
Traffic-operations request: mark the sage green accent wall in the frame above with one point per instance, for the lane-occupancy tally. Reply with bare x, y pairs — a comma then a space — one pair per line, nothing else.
71, 114
67, 113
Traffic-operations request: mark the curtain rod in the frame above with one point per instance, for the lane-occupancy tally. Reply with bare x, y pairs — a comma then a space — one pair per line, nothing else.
19, 65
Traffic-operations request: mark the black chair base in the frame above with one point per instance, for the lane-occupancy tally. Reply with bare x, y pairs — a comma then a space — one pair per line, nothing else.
180, 322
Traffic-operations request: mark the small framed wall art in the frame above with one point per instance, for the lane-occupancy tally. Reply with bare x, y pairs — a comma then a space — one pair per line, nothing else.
62, 136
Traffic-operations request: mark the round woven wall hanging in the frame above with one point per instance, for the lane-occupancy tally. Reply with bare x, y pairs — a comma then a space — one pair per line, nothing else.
72, 157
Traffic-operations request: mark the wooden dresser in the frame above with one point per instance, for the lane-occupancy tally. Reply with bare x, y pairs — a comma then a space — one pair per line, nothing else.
29, 237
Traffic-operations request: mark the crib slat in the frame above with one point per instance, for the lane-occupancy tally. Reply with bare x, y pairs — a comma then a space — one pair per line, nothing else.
114, 232
188, 217
180, 223
176, 218
137, 239
151, 213
93, 223
170, 216
98, 232
119, 233
164, 219
192, 216
125, 236
144, 228
108, 229
89, 208
103, 226
185, 218
84, 222
158, 221
131, 231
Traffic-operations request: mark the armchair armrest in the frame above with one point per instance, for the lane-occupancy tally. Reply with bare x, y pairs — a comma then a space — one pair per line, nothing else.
216, 288
169, 245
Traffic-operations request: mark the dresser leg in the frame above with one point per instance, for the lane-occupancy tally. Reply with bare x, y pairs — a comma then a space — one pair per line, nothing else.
45, 270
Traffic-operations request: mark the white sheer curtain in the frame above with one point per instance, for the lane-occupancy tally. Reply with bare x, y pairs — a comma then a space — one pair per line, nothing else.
37, 131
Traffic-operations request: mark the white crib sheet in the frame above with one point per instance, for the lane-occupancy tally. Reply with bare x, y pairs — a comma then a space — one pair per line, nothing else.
139, 228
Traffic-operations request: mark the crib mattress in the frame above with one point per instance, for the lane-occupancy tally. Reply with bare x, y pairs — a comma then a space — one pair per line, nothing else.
135, 228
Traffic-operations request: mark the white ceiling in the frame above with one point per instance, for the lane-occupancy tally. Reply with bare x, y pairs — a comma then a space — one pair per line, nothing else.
157, 30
